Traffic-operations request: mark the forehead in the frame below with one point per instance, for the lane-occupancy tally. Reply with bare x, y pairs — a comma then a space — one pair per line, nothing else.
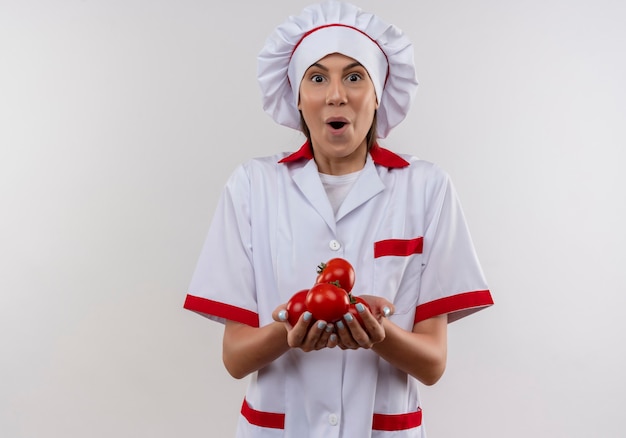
336, 60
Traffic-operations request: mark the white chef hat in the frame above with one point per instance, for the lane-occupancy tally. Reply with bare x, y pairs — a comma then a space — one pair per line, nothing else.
337, 27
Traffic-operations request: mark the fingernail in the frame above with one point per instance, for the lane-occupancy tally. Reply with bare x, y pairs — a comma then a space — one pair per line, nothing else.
333, 338
329, 328
339, 325
307, 315
386, 311
348, 317
321, 325
282, 315
360, 307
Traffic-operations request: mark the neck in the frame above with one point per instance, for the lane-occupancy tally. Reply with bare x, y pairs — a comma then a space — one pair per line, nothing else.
341, 165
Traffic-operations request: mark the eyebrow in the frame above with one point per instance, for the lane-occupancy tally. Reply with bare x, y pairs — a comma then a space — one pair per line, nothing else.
347, 67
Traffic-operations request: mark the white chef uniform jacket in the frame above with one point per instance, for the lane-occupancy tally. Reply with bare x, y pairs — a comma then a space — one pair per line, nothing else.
401, 227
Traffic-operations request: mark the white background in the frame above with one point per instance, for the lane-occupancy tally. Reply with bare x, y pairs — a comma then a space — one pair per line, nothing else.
120, 121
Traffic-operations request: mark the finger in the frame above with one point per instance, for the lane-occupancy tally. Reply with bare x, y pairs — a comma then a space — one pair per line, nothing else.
384, 310
297, 335
323, 340
346, 341
371, 325
388, 310
280, 314
333, 340
360, 336
314, 337
380, 307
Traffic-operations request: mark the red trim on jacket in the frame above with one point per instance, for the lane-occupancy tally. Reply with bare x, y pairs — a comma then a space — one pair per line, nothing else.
305, 152
392, 422
388, 422
455, 303
398, 247
221, 310
263, 419
380, 155
386, 158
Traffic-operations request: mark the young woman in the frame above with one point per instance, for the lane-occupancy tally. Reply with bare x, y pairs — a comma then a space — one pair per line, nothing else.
344, 78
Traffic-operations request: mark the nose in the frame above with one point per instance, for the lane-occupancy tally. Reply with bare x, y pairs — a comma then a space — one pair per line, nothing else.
336, 93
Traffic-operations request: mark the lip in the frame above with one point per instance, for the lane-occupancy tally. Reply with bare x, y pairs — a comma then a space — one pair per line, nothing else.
337, 130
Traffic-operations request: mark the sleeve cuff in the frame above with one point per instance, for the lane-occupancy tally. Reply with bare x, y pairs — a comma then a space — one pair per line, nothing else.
455, 306
221, 311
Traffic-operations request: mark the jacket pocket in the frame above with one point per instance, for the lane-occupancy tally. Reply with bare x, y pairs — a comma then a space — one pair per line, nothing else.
398, 247
273, 420
395, 422
396, 275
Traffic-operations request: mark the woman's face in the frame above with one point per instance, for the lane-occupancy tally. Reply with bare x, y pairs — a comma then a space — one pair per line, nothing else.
338, 102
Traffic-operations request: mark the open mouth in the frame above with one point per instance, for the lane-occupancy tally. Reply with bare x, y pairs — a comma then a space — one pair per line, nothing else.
337, 125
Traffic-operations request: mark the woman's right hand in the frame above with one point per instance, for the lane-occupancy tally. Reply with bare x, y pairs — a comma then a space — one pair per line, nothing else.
306, 335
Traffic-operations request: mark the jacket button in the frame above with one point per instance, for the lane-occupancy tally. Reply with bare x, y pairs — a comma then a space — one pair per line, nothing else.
333, 419
334, 245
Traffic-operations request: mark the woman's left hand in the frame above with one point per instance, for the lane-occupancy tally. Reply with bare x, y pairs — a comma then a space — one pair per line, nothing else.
303, 334
353, 335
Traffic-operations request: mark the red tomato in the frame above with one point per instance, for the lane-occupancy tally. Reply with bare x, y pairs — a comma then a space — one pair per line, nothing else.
327, 302
336, 270
354, 300
296, 306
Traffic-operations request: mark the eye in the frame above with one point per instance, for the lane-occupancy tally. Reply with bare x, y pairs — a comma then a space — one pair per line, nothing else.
354, 77
317, 78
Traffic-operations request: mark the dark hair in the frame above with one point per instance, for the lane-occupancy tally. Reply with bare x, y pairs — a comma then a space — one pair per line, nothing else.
371, 136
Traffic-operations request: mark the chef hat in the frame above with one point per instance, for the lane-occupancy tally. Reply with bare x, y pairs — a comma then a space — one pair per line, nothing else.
337, 27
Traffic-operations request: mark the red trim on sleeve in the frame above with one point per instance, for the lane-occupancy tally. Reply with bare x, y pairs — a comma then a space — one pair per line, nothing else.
397, 421
455, 303
398, 247
221, 310
262, 419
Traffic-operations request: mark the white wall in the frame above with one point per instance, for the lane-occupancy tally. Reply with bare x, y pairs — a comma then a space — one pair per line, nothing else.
120, 121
